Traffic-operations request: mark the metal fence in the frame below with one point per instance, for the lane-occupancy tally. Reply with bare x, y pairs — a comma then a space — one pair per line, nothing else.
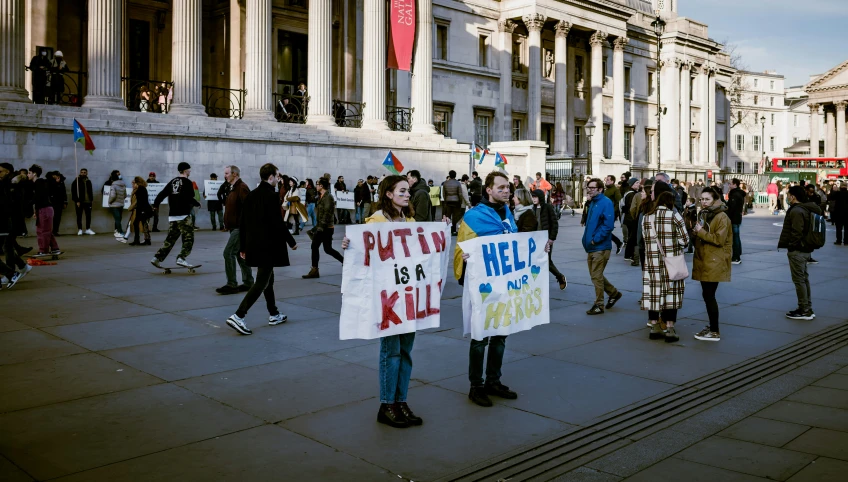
348, 114
399, 118
66, 88
144, 95
223, 102
290, 108
570, 173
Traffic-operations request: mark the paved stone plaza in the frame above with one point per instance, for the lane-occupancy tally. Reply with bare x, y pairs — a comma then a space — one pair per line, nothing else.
111, 370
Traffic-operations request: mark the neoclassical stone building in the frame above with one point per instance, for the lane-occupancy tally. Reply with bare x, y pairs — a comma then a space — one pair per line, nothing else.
828, 94
522, 77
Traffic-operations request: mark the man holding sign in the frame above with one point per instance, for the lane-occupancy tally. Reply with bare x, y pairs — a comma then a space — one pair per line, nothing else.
483, 311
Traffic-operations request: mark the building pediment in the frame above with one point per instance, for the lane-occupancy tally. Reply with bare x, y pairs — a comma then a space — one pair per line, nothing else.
834, 79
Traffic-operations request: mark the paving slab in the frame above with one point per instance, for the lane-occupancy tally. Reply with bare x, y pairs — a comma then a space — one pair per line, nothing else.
806, 414
9, 472
85, 311
8, 324
643, 453
65, 438
735, 339
764, 431
822, 470
674, 469
585, 474
748, 458
815, 395
774, 320
835, 380
455, 434
258, 315
819, 441
552, 337
29, 345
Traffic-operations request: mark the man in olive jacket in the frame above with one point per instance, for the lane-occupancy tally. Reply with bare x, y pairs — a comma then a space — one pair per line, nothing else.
420, 199
261, 230
795, 225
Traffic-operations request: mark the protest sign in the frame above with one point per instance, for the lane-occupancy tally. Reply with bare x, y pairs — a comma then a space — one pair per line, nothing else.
108, 189
506, 286
153, 190
210, 189
344, 200
392, 278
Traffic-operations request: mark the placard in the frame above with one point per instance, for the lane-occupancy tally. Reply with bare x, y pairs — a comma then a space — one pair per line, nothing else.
108, 189
506, 287
153, 190
210, 188
392, 278
344, 200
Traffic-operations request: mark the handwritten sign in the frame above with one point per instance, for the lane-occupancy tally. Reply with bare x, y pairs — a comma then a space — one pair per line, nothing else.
107, 190
506, 284
153, 190
344, 200
392, 279
210, 189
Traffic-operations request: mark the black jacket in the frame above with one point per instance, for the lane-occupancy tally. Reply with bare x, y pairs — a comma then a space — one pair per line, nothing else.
839, 208
142, 203
547, 219
84, 188
794, 226
362, 193
629, 196
420, 201
58, 194
262, 230
41, 194
475, 187
180, 194
735, 205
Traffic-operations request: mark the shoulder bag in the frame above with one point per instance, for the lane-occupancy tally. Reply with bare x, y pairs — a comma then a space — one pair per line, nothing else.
675, 266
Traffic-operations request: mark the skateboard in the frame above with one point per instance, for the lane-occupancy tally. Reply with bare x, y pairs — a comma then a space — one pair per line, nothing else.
48, 255
167, 270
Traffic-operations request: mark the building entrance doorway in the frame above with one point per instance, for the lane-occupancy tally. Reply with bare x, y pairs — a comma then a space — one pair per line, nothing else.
291, 62
139, 49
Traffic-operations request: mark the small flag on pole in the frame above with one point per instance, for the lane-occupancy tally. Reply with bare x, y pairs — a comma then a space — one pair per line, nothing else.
81, 136
392, 163
500, 161
478, 153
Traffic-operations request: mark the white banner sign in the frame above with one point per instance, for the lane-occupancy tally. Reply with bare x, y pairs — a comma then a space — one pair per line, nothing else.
108, 189
153, 190
506, 286
211, 189
344, 200
392, 278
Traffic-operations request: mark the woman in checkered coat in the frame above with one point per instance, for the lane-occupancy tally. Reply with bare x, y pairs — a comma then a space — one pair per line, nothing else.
660, 295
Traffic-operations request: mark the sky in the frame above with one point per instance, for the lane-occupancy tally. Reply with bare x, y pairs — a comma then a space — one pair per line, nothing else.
795, 38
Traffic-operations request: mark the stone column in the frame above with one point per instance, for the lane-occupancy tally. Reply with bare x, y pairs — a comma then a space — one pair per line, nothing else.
685, 113
534, 23
104, 54
711, 91
187, 60
814, 130
374, 66
12, 39
670, 134
506, 27
422, 71
841, 147
561, 87
830, 133
703, 82
318, 63
597, 41
258, 56
234, 33
618, 99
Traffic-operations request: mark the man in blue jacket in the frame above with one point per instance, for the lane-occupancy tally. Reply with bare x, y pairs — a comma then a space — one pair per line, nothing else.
597, 241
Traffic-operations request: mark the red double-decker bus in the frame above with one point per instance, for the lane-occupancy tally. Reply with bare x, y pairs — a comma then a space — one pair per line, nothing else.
807, 167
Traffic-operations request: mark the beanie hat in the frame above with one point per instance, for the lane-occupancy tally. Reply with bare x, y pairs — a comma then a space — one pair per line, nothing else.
632, 181
58, 54
151, 174
538, 193
183, 166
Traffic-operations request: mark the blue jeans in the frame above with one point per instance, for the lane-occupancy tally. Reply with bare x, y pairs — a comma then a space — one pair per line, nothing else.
359, 217
497, 345
737, 242
395, 367
310, 211
231, 256
117, 213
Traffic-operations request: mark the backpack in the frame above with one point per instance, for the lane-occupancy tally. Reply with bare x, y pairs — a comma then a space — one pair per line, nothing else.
814, 232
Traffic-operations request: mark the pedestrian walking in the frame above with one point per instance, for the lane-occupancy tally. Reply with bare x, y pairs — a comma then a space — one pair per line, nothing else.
181, 200
7, 236
117, 195
140, 212
322, 234
772, 191
735, 208
711, 264
295, 210
43, 212
664, 233
261, 229
612, 192
839, 211
628, 221
452, 200
796, 225
547, 221
82, 194
234, 208
396, 350
311, 198
215, 207
597, 242
151, 179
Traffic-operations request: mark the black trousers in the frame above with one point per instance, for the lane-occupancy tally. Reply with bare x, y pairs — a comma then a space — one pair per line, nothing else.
84, 208
708, 291
840, 229
631, 240
551, 267
264, 285
667, 315
9, 247
57, 217
453, 210
324, 238
7, 269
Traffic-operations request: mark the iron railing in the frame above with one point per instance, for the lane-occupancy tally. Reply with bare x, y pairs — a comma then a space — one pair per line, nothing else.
143, 95
224, 102
399, 118
290, 108
71, 81
348, 114
570, 173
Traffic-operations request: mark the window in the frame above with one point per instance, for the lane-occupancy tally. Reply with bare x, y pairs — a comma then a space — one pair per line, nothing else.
548, 137
771, 144
740, 142
482, 122
652, 83
578, 69
517, 131
627, 79
442, 119
771, 84
772, 119
441, 52
795, 120
607, 143
756, 99
740, 167
516, 56
720, 153
794, 140
650, 150
628, 143
756, 168
771, 101
483, 51
578, 135
756, 143
691, 89
693, 149
756, 83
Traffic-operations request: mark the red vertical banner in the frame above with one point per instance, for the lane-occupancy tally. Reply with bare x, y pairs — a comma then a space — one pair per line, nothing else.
401, 34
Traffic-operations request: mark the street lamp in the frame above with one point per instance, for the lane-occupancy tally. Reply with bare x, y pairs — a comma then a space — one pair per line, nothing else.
590, 130
659, 28
763, 139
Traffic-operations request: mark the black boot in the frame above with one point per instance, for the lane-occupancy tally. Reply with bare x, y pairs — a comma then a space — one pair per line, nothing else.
391, 415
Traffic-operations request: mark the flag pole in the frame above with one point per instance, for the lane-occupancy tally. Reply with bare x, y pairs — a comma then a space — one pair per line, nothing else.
76, 169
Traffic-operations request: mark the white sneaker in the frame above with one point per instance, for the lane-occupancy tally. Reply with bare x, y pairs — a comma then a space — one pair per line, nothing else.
277, 319
121, 240
155, 262
79, 233
184, 263
119, 235
88, 231
24, 272
237, 323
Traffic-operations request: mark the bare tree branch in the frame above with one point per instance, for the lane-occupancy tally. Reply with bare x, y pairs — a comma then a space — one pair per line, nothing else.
738, 85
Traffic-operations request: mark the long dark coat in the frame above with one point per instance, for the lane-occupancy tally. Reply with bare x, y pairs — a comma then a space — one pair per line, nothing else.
263, 234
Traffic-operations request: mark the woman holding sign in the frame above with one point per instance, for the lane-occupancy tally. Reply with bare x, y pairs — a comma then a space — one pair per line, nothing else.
395, 350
